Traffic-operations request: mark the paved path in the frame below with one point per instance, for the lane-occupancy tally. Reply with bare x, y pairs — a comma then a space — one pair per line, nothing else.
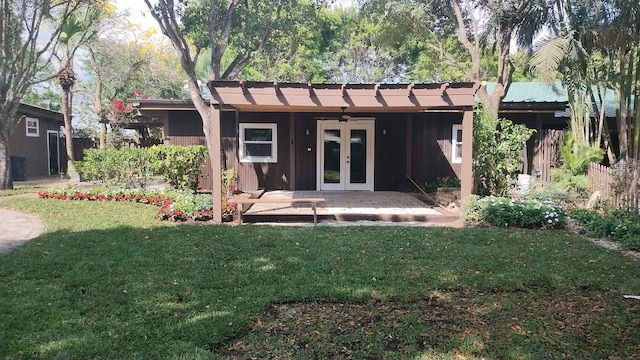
16, 228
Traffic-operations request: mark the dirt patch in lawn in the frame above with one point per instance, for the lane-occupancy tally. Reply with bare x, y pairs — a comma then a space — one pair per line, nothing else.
447, 325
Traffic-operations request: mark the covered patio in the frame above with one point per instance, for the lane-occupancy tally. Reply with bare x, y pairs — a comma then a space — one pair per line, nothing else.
390, 206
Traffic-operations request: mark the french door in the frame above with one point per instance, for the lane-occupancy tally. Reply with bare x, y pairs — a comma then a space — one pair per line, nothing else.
345, 156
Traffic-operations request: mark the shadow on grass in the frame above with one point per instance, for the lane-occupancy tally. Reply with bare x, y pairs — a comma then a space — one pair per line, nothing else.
201, 292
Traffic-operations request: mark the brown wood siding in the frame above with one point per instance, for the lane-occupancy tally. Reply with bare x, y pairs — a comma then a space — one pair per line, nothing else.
431, 146
34, 149
305, 159
253, 176
390, 152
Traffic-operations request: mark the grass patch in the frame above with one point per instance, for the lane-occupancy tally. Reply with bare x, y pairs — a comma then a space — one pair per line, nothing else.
109, 280
22, 189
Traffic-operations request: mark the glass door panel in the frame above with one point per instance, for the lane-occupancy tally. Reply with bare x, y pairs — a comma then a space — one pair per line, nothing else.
357, 157
345, 155
332, 156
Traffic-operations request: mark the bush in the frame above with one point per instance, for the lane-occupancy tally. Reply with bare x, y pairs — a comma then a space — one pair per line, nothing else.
497, 144
129, 167
471, 209
568, 197
180, 166
506, 212
617, 225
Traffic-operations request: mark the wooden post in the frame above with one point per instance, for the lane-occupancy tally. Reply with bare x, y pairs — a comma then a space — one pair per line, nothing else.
466, 171
216, 163
409, 144
292, 151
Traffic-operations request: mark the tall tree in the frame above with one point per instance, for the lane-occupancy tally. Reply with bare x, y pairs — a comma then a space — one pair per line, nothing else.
124, 59
480, 27
29, 36
77, 30
595, 46
248, 24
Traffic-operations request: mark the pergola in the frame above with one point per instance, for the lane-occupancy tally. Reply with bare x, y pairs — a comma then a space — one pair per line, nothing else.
337, 98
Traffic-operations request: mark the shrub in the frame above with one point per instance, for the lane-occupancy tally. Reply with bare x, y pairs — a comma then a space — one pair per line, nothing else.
617, 225
471, 209
497, 144
229, 182
180, 166
576, 157
129, 167
506, 212
568, 197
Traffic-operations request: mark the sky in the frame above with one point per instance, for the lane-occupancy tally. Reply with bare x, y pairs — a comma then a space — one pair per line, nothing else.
139, 13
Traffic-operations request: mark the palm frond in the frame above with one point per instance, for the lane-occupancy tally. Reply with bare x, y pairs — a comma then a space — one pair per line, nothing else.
546, 61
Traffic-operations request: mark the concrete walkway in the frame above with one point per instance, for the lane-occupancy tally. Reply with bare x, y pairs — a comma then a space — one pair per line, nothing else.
16, 227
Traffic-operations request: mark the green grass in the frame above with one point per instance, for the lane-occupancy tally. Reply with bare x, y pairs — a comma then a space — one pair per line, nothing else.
22, 189
108, 280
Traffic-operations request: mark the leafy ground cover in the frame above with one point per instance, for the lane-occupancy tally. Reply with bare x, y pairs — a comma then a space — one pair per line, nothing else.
110, 280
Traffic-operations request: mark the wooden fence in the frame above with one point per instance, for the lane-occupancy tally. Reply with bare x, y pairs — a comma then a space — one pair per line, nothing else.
546, 154
616, 184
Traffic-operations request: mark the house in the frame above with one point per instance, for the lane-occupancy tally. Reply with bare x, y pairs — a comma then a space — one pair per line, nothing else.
298, 136
35, 146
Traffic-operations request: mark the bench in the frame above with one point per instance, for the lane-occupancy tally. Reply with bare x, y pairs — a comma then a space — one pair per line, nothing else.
312, 201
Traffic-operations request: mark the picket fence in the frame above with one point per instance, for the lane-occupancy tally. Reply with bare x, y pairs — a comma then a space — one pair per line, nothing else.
614, 184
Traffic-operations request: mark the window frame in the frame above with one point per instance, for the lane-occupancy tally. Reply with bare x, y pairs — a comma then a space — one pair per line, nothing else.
242, 143
455, 142
36, 127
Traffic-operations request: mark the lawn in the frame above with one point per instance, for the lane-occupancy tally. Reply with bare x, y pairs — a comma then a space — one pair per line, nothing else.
108, 280
23, 189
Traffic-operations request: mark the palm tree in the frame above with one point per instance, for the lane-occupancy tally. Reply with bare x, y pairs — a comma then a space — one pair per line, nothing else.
595, 46
76, 31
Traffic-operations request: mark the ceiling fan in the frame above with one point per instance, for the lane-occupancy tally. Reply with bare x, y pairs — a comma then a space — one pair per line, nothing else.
344, 117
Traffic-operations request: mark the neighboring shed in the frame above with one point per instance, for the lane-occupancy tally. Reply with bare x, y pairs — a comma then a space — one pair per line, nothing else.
538, 106
36, 148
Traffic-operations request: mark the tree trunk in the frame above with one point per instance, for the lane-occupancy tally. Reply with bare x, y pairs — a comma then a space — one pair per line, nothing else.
68, 129
623, 130
103, 136
5, 159
491, 102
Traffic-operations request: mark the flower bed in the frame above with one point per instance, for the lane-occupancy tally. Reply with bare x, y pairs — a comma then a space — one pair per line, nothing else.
508, 212
176, 205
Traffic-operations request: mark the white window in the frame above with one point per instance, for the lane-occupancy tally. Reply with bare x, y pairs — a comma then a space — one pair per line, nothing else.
33, 127
456, 143
258, 142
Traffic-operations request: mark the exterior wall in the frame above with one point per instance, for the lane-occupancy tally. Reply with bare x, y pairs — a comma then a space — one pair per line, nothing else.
415, 144
390, 151
305, 161
253, 176
431, 146
35, 149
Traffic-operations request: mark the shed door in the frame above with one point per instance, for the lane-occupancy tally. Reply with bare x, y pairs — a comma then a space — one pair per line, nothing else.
53, 150
346, 154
